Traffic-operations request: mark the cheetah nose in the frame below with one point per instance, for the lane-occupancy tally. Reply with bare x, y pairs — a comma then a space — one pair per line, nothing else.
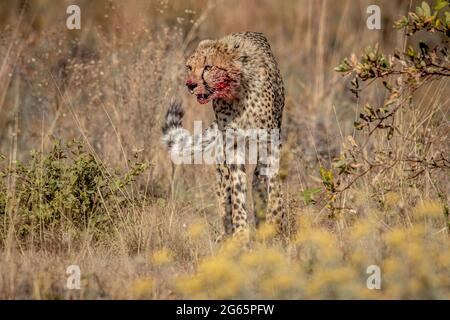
191, 85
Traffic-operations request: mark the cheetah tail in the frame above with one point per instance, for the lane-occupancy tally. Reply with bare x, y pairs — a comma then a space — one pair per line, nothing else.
179, 141
173, 123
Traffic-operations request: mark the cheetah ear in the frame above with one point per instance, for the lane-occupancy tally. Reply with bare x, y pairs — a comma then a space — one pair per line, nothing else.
241, 55
236, 44
205, 43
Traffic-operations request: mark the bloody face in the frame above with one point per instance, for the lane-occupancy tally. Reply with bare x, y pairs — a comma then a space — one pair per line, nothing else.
212, 75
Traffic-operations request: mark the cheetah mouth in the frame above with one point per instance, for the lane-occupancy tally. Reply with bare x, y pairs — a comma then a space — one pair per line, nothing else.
204, 97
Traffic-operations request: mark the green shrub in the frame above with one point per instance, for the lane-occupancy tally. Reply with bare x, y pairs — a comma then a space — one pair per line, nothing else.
67, 189
419, 156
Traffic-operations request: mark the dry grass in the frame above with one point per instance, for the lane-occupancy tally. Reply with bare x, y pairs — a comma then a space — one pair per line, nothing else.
109, 85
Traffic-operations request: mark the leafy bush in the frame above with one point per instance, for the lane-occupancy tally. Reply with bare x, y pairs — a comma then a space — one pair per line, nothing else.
67, 189
401, 133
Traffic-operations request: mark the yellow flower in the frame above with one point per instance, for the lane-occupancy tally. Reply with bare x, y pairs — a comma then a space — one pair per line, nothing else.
359, 231
142, 288
162, 257
265, 232
221, 277
396, 237
263, 257
392, 266
429, 209
230, 247
196, 229
274, 285
392, 199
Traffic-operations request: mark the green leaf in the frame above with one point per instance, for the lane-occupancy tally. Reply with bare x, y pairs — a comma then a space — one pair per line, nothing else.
447, 18
327, 179
419, 11
308, 195
426, 9
401, 23
344, 66
410, 52
341, 163
440, 4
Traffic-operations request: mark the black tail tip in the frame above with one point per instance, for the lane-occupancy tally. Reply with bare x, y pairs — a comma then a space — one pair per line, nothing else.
174, 116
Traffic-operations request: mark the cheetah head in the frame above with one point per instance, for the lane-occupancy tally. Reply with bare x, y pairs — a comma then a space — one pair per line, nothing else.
213, 72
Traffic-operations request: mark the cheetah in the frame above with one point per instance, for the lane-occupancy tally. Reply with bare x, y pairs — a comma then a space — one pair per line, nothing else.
240, 75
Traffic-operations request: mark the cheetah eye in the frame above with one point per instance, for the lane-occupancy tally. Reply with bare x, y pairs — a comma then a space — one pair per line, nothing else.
243, 59
189, 68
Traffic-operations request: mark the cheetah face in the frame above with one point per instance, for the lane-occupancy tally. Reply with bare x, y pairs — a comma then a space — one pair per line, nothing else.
212, 73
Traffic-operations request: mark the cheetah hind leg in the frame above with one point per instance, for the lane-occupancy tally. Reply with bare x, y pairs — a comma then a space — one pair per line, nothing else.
268, 198
259, 195
276, 210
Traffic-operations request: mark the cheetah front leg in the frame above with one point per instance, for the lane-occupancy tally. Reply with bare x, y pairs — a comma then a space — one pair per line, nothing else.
239, 202
224, 197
